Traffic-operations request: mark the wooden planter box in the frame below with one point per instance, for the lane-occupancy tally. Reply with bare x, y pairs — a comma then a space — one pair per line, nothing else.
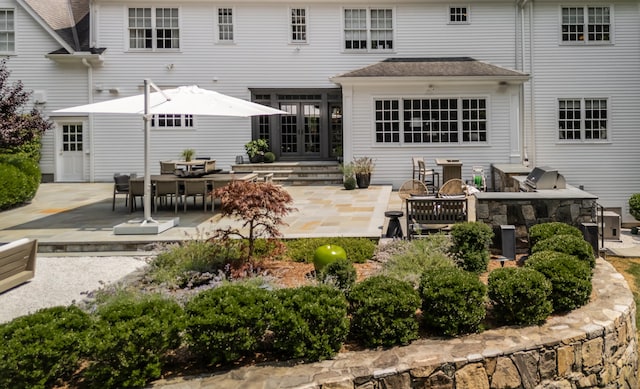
17, 262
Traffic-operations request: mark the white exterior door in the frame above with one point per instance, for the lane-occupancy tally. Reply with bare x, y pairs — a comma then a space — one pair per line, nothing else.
71, 152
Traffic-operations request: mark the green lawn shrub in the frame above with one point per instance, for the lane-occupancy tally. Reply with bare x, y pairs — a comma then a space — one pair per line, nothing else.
470, 245
520, 296
542, 231
568, 244
409, 261
20, 177
570, 278
131, 338
453, 301
42, 349
310, 322
340, 273
383, 312
359, 250
228, 323
634, 205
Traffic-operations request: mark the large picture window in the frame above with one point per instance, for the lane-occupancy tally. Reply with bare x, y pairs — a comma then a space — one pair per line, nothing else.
368, 29
586, 24
450, 120
7, 31
582, 119
154, 28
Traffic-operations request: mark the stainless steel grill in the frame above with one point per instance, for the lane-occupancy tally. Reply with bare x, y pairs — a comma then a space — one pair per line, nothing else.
543, 178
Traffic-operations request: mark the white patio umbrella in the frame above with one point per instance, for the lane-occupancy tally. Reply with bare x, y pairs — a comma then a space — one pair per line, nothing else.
184, 100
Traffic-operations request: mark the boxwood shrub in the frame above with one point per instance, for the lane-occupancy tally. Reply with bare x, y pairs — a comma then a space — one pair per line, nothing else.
568, 244
383, 312
520, 296
453, 301
227, 323
132, 334
309, 323
20, 177
470, 245
41, 349
340, 273
634, 205
570, 278
544, 231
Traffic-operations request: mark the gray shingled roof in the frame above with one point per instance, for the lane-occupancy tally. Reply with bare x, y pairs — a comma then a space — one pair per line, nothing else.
68, 18
433, 67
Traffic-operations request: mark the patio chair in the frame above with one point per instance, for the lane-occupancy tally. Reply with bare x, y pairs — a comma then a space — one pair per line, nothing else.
428, 176
136, 189
412, 188
453, 188
120, 187
195, 188
167, 192
167, 167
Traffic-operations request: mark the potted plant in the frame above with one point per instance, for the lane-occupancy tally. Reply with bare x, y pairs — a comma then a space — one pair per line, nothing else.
269, 157
256, 149
348, 180
188, 154
363, 167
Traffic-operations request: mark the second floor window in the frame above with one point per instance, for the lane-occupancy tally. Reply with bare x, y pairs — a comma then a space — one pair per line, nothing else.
586, 24
458, 15
298, 25
171, 121
580, 119
154, 28
7, 31
368, 29
225, 24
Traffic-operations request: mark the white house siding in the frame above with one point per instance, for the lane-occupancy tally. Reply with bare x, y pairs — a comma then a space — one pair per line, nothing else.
607, 169
262, 57
393, 161
63, 85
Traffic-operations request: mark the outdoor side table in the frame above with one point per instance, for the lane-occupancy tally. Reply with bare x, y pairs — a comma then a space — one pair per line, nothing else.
394, 230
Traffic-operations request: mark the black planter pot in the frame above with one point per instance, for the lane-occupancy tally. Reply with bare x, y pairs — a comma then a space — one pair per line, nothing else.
259, 158
363, 180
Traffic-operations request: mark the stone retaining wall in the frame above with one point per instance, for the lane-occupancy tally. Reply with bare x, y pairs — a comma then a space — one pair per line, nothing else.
592, 347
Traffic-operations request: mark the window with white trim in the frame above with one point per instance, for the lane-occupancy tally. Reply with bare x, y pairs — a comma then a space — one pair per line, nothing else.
7, 31
154, 28
298, 25
458, 15
171, 121
225, 24
580, 119
586, 24
433, 120
368, 29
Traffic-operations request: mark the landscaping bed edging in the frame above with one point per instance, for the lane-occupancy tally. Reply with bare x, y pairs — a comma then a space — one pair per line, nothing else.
593, 346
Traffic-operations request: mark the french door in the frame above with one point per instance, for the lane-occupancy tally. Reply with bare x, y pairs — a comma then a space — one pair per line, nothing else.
300, 129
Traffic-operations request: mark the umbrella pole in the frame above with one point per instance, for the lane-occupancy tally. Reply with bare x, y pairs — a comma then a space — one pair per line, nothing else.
147, 144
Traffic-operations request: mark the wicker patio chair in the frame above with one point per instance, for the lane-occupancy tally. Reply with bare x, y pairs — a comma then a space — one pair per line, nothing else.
412, 188
120, 187
453, 188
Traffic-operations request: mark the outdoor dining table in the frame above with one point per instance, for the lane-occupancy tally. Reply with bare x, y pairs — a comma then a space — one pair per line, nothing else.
214, 181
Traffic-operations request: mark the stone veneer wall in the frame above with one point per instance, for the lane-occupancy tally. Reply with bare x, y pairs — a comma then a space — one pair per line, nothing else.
523, 213
594, 346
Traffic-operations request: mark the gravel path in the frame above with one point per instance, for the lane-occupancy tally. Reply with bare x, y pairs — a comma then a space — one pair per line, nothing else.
63, 280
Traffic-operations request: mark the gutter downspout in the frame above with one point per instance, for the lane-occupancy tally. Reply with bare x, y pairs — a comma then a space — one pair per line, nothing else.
525, 139
90, 94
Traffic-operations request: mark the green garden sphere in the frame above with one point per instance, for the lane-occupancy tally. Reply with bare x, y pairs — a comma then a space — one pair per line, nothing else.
326, 254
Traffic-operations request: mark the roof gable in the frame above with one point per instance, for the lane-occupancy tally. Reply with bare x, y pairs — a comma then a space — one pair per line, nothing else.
67, 20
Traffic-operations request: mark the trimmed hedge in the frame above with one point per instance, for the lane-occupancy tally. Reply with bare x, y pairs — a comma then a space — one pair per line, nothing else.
570, 278
309, 323
131, 337
634, 205
20, 177
470, 245
520, 296
43, 348
383, 312
227, 323
544, 231
453, 301
568, 244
